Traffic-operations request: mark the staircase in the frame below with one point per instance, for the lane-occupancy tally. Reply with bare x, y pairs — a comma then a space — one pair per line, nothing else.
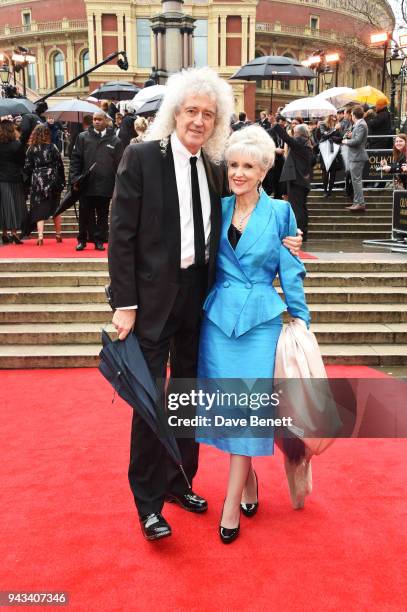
328, 219
52, 312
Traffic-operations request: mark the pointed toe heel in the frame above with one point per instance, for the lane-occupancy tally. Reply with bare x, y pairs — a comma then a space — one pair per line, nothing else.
250, 509
228, 535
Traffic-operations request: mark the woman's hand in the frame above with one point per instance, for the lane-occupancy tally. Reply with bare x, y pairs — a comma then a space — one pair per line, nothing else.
293, 243
386, 168
404, 167
124, 321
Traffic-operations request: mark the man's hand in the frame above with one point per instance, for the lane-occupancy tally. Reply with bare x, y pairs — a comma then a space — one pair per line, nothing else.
124, 321
404, 168
279, 151
293, 243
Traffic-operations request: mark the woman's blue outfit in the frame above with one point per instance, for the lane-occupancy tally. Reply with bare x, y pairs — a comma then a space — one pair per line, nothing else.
242, 313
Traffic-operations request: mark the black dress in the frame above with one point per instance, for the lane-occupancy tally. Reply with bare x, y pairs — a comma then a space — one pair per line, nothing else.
13, 209
45, 171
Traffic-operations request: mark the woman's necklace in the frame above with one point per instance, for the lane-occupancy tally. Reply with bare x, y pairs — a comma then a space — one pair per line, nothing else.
241, 218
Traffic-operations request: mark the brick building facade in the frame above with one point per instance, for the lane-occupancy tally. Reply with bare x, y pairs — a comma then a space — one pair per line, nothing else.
66, 37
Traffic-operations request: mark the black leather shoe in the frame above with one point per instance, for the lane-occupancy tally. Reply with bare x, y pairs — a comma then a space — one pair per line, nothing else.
250, 510
81, 246
189, 501
99, 246
154, 526
226, 534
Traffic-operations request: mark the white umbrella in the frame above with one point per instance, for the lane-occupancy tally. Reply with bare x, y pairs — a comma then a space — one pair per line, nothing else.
148, 93
328, 150
339, 96
71, 110
309, 107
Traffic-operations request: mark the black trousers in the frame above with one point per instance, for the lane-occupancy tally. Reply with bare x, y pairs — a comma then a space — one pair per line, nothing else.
297, 196
329, 177
93, 218
152, 473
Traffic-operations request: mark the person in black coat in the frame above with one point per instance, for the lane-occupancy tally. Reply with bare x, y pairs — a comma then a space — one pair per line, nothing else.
13, 210
271, 183
297, 171
99, 145
379, 124
127, 131
330, 131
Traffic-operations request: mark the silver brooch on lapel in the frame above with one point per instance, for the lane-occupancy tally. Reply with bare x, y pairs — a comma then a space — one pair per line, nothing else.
164, 145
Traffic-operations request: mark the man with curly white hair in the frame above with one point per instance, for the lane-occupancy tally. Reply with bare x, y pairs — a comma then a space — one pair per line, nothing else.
164, 235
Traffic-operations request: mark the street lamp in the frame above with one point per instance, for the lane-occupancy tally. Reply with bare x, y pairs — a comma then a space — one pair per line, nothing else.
5, 75
21, 58
321, 63
328, 76
394, 65
381, 38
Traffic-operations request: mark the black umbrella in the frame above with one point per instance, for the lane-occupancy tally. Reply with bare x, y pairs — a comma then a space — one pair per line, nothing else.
73, 195
115, 90
16, 106
122, 363
150, 107
273, 68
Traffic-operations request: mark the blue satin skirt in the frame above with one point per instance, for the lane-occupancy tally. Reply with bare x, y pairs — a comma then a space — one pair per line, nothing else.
250, 356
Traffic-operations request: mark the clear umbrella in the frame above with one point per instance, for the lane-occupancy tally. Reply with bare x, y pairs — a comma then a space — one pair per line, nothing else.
309, 107
71, 110
146, 94
339, 96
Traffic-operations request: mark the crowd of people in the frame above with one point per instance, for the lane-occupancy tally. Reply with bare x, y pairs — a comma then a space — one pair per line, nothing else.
32, 176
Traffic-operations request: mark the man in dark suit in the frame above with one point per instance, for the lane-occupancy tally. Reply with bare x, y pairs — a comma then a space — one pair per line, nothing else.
164, 233
241, 123
297, 171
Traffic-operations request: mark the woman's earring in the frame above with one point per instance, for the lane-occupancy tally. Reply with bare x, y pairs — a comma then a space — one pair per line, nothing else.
259, 188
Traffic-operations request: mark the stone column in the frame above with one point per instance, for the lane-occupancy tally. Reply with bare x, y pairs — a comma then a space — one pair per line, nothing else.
245, 20
223, 41
91, 40
99, 38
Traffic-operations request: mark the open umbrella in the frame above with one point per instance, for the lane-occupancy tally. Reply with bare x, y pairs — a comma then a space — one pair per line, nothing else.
338, 96
122, 363
369, 95
71, 110
16, 106
148, 93
309, 107
273, 68
115, 90
150, 107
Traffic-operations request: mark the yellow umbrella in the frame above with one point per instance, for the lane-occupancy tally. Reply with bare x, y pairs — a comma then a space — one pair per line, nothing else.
370, 95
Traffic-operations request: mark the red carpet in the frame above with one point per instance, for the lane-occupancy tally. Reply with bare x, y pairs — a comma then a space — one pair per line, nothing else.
68, 522
50, 249
65, 249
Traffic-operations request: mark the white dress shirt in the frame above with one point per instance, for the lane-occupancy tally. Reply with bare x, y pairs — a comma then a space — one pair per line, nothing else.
183, 177
182, 167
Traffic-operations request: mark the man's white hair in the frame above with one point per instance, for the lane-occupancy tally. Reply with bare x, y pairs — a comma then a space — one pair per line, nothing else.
196, 81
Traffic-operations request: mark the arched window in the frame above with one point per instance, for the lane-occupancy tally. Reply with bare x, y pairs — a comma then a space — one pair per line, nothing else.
85, 66
369, 77
58, 69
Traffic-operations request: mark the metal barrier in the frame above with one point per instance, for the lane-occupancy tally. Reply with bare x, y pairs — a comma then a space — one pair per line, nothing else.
373, 172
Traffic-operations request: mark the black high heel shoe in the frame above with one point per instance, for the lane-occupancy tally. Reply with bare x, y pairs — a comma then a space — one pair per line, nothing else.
250, 510
14, 238
228, 535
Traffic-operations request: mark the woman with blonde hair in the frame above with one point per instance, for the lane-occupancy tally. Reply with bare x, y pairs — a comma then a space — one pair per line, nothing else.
242, 313
140, 127
45, 171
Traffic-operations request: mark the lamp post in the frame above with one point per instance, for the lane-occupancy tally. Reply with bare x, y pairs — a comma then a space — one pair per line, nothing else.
382, 38
5, 75
21, 58
394, 65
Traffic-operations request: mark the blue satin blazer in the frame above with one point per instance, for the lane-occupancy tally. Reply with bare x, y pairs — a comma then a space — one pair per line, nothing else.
243, 295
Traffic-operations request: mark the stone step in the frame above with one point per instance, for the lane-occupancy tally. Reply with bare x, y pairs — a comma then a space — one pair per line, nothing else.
87, 355
356, 224
51, 295
54, 265
101, 313
96, 294
343, 217
90, 333
101, 278
52, 279
53, 333
358, 313
348, 235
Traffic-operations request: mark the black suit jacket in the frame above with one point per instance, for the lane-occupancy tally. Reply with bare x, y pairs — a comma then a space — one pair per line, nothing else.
145, 236
300, 159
